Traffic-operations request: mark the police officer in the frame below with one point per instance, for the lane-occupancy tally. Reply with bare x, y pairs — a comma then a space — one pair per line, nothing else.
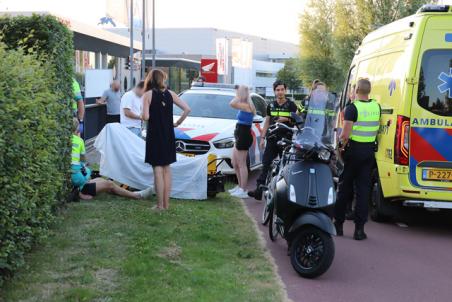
278, 111
361, 124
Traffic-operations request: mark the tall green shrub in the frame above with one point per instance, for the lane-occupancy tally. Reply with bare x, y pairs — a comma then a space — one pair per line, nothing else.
52, 42
35, 121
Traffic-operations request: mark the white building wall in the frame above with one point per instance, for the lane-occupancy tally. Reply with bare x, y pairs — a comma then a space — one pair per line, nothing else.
197, 43
201, 41
269, 69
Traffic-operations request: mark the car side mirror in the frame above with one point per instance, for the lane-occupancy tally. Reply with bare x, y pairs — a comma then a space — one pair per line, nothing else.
257, 119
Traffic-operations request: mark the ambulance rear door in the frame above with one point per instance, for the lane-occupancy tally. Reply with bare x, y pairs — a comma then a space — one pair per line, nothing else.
430, 123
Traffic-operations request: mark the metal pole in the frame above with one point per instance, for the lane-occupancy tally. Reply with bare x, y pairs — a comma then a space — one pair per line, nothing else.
153, 33
143, 42
131, 46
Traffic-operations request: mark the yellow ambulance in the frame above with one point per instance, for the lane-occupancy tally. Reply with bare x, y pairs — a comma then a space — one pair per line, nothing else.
409, 63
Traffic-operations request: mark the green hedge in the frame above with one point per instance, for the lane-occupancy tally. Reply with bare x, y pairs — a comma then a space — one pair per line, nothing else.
36, 59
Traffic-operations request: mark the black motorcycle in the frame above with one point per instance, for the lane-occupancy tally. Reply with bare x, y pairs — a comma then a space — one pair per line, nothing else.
300, 193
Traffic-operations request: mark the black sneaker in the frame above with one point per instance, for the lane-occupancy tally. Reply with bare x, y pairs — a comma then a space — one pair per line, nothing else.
359, 233
256, 194
339, 228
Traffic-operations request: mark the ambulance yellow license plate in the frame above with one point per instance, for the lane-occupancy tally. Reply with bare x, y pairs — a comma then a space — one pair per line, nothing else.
189, 154
437, 174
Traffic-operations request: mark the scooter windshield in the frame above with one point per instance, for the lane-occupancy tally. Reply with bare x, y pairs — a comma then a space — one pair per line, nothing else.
320, 119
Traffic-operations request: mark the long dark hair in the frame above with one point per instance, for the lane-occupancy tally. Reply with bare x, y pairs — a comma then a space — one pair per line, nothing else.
155, 80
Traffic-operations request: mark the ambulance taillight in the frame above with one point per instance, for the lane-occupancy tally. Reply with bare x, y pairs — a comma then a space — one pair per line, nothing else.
402, 140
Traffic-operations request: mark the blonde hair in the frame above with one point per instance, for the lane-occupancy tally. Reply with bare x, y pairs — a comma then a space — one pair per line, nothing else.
243, 94
155, 80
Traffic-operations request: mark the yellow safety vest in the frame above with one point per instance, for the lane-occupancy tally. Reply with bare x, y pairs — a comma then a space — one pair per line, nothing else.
365, 129
77, 95
78, 148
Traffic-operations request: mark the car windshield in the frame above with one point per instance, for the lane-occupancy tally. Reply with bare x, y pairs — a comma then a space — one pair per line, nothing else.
208, 105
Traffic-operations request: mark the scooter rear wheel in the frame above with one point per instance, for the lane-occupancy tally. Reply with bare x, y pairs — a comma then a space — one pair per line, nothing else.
266, 209
311, 252
272, 226
265, 214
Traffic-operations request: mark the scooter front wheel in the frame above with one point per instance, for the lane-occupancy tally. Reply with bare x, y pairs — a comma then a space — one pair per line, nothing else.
272, 226
311, 252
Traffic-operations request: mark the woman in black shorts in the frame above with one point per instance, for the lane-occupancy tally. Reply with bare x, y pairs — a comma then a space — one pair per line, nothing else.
243, 138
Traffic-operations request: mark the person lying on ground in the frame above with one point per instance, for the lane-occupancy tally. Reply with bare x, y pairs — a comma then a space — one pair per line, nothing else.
80, 174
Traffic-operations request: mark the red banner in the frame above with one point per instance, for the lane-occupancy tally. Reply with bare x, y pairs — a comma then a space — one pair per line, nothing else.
209, 70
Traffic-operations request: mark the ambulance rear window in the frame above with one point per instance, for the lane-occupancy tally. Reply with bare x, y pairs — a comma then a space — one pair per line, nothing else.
435, 82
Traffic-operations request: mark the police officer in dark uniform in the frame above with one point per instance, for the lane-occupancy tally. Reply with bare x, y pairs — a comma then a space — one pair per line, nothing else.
278, 111
361, 124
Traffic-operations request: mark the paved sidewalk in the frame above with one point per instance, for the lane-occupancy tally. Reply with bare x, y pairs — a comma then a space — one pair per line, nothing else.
396, 263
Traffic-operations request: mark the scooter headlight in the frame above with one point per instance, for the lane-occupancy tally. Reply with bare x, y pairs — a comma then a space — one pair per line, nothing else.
324, 155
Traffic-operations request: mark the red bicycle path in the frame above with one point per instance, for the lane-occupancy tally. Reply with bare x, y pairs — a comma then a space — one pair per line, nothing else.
407, 261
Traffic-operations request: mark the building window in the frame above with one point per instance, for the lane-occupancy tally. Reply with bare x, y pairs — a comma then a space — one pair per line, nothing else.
264, 74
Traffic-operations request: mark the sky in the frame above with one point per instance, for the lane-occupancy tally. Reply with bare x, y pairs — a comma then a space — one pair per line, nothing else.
266, 18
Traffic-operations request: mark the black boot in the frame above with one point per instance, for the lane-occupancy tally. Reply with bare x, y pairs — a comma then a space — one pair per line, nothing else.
339, 228
350, 215
359, 233
256, 194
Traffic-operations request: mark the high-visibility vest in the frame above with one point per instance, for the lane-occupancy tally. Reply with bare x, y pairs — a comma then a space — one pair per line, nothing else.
277, 111
321, 112
301, 108
78, 148
365, 129
77, 95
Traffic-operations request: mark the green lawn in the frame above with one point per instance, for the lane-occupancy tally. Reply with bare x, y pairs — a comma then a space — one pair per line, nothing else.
114, 249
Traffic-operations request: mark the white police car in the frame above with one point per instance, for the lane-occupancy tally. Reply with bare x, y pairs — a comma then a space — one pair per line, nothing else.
210, 126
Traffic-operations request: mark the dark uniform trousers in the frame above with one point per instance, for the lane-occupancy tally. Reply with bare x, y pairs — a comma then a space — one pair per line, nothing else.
359, 160
270, 153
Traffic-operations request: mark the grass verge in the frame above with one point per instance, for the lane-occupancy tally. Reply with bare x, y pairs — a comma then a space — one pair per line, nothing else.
114, 249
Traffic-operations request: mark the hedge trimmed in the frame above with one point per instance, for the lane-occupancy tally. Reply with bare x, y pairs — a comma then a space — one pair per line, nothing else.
36, 57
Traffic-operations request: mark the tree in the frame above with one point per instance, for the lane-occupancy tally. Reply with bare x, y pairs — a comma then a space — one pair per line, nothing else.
331, 31
291, 74
316, 53
352, 23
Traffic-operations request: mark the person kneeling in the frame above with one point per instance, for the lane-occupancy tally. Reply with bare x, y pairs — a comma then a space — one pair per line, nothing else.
81, 175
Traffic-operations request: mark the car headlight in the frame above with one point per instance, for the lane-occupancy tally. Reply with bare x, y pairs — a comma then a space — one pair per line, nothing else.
324, 155
225, 143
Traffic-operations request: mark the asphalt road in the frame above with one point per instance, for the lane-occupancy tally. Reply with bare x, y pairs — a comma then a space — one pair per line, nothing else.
409, 260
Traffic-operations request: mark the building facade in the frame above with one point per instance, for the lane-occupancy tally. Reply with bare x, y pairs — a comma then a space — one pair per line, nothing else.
182, 45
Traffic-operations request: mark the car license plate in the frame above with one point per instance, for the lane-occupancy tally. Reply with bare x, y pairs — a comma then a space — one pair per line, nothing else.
188, 154
437, 174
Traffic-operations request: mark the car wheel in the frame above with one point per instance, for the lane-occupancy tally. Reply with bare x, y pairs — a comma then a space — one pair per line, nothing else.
380, 209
